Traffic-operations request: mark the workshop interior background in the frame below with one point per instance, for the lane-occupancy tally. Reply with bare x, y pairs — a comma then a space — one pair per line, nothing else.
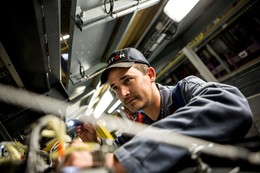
57, 49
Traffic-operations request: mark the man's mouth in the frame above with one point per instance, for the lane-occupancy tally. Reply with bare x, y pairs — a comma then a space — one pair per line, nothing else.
129, 101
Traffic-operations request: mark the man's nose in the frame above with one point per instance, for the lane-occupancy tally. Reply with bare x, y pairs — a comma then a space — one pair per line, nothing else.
124, 92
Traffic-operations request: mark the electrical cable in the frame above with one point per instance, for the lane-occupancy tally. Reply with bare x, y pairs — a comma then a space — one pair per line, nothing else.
36, 161
12, 151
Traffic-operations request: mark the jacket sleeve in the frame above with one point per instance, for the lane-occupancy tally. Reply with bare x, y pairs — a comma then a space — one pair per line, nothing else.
214, 112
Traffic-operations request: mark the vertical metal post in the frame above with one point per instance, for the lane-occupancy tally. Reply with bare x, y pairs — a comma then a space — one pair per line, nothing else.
199, 65
218, 58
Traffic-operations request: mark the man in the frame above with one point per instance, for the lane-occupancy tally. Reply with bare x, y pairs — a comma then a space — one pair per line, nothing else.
206, 110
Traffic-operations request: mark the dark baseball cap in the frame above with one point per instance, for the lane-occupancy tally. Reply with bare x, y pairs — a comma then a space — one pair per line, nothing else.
123, 58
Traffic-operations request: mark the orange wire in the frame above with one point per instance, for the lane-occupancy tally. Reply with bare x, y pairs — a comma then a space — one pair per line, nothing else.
61, 149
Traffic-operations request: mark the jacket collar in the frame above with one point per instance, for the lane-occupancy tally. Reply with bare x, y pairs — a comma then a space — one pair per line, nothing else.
166, 100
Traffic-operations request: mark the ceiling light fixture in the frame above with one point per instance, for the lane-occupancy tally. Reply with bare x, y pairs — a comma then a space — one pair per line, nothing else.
112, 109
102, 105
178, 9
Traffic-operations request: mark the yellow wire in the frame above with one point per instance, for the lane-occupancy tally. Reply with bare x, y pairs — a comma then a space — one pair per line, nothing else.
103, 132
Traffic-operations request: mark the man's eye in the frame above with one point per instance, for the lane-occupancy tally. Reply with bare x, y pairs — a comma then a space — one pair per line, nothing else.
114, 88
127, 80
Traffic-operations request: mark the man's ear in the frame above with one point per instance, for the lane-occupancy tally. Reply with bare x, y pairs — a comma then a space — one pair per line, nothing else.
151, 73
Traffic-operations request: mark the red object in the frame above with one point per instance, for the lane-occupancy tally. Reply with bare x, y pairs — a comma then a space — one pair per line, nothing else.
140, 117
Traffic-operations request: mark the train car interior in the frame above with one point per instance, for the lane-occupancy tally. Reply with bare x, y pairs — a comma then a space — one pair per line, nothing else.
52, 53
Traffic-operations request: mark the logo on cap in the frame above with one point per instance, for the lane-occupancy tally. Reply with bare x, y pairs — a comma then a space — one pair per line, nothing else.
115, 58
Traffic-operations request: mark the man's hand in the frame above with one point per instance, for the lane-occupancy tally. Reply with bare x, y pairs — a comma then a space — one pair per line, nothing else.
87, 132
84, 159
81, 159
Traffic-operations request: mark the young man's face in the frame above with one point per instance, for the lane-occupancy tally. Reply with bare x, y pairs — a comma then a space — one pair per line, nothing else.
132, 87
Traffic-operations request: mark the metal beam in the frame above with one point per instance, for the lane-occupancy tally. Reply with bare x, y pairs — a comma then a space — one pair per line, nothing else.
9, 65
98, 15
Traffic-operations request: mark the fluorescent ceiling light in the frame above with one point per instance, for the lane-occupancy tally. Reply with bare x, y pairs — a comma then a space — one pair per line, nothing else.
118, 102
178, 9
102, 105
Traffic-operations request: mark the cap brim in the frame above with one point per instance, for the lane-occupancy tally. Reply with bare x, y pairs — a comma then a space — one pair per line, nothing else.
121, 65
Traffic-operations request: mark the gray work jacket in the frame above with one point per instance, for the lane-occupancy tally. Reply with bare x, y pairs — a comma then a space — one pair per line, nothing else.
213, 111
